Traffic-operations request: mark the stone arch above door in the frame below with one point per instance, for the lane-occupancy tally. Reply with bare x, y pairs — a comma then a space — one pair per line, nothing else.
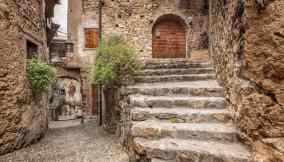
169, 37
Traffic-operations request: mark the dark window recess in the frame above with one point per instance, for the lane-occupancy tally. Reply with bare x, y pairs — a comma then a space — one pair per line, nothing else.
32, 50
58, 49
69, 47
205, 10
62, 52
61, 92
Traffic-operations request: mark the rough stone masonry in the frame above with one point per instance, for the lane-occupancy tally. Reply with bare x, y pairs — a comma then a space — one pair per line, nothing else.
246, 45
23, 117
135, 21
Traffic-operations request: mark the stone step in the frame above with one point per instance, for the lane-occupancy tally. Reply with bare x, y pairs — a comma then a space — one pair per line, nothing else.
161, 160
168, 60
191, 150
177, 101
181, 115
195, 88
198, 131
176, 64
176, 71
171, 78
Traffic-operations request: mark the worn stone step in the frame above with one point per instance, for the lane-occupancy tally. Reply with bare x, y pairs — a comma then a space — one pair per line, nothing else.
191, 150
177, 101
194, 88
170, 78
176, 64
161, 160
197, 131
167, 60
181, 115
176, 71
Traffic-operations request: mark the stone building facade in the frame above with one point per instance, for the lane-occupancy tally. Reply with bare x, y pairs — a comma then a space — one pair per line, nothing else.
86, 56
23, 32
246, 45
142, 23
65, 98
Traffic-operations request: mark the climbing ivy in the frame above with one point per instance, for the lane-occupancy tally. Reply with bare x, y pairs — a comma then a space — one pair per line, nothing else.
40, 75
116, 63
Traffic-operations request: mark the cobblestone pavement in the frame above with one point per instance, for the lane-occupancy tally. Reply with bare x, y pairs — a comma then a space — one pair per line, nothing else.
73, 143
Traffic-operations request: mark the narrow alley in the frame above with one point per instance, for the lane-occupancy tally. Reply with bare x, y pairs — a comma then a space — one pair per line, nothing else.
142, 81
68, 141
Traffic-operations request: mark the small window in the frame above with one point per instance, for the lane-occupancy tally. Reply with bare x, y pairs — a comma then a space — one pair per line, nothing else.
91, 38
69, 47
32, 50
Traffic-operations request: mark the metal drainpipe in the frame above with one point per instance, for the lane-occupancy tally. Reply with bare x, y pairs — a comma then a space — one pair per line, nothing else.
100, 87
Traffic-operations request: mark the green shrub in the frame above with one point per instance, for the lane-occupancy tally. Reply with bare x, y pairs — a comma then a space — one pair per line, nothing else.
40, 75
116, 63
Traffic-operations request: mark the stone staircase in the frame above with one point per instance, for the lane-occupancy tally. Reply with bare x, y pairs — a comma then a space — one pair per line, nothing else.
178, 114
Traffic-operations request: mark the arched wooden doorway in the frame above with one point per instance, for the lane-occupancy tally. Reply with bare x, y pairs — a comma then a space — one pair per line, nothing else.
169, 37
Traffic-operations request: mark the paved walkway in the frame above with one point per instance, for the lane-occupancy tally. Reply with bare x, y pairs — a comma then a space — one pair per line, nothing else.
69, 141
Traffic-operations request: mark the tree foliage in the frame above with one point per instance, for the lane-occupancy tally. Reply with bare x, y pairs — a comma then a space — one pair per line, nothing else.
116, 63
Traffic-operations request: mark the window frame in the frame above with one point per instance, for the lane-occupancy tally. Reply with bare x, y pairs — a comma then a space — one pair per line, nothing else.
91, 38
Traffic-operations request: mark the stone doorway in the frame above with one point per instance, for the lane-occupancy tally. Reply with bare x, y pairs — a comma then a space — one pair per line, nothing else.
169, 37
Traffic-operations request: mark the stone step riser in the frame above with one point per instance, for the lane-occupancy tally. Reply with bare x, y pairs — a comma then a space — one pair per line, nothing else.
177, 66
150, 79
176, 120
168, 156
154, 133
167, 103
182, 118
160, 160
176, 71
206, 92
183, 155
171, 60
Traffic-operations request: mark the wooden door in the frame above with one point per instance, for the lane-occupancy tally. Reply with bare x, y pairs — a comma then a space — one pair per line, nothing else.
95, 100
169, 40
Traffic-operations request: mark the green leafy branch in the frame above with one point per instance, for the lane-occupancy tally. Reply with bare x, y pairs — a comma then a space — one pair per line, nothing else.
116, 63
40, 75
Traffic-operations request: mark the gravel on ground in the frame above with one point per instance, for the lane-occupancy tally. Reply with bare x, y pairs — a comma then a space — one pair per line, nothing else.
70, 141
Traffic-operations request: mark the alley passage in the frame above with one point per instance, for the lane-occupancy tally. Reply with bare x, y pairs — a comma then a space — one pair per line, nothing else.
79, 143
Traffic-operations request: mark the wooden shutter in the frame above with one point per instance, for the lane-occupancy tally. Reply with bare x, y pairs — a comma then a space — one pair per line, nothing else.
91, 38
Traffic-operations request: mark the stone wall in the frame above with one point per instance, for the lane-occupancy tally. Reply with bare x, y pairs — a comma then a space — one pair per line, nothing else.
74, 12
246, 45
135, 20
83, 14
23, 116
